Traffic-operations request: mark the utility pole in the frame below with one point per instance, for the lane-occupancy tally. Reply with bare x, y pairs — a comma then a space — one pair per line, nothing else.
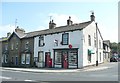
50, 18
96, 45
15, 23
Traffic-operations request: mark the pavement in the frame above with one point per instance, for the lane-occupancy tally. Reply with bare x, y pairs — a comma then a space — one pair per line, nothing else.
53, 70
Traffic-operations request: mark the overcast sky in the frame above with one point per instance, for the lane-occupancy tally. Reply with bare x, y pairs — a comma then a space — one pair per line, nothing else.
34, 16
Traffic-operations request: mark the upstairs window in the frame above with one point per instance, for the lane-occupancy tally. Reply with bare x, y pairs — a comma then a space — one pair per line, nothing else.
65, 38
41, 41
16, 45
26, 45
89, 40
12, 46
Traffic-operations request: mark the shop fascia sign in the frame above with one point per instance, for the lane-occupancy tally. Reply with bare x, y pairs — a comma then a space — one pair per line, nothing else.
91, 50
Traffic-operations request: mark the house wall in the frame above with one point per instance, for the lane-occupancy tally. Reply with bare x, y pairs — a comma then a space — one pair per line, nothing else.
106, 53
30, 48
14, 52
1, 52
91, 30
4, 52
75, 39
100, 50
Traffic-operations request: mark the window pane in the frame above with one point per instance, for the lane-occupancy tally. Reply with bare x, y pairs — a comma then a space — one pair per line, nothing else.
23, 59
41, 41
65, 38
40, 56
73, 58
27, 58
58, 57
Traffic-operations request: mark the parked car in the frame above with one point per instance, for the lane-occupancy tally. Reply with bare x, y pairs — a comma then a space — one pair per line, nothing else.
114, 58
118, 57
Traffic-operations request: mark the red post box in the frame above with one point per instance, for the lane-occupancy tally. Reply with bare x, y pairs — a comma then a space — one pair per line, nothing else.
50, 63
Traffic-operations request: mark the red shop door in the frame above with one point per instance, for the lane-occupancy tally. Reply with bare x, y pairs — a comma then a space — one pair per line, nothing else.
65, 60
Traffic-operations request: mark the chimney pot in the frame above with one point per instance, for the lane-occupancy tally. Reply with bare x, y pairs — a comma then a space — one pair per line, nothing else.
92, 17
52, 25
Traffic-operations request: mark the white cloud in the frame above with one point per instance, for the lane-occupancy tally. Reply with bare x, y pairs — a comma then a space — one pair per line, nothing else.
61, 19
4, 29
108, 33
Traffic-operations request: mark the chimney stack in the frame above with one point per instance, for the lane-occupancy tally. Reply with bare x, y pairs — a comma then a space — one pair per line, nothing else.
92, 17
8, 34
69, 22
19, 30
52, 25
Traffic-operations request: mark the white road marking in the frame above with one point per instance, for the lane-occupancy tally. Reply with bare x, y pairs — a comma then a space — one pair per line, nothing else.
94, 69
15, 71
1, 77
29, 80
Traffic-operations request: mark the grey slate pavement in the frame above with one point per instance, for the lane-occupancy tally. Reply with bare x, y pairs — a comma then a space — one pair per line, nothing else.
52, 70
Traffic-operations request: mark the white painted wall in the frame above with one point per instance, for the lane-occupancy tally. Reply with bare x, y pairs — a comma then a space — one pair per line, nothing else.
75, 38
91, 30
78, 39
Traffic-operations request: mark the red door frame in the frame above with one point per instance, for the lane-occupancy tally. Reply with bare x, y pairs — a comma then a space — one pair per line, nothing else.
47, 59
65, 59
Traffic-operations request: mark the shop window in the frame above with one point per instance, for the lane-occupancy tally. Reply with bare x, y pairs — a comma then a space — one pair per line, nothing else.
73, 58
58, 57
65, 39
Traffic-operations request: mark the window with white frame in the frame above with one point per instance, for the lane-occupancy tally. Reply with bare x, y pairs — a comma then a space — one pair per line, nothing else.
27, 58
41, 41
23, 59
89, 40
65, 38
40, 56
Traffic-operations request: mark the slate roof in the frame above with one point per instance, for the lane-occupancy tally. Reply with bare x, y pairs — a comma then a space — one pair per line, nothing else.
107, 42
72, 27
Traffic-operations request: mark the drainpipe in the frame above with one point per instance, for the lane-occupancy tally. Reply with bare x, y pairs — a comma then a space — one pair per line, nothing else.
96, 45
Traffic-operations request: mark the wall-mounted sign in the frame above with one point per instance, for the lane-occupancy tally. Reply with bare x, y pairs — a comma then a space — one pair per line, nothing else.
70, 46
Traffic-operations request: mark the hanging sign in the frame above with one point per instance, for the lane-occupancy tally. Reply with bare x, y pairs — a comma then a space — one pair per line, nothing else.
70, 46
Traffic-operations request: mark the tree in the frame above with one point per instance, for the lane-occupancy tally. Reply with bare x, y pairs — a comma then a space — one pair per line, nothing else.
114, 47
